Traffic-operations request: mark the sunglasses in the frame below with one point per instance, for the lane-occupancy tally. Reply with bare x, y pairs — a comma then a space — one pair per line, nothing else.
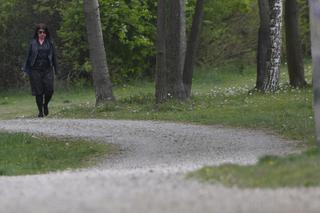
41, 32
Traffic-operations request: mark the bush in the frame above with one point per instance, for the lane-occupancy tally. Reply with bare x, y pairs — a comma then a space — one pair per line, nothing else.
128, 30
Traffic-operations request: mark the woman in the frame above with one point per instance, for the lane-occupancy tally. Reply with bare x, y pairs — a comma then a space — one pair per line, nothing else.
40, 65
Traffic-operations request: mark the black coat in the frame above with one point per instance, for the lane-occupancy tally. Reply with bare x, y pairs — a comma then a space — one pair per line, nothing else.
33, 53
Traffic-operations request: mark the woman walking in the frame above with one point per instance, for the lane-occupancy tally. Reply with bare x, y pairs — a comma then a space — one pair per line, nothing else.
40, 65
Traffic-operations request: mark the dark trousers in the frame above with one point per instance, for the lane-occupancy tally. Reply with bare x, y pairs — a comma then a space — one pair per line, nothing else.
41, 81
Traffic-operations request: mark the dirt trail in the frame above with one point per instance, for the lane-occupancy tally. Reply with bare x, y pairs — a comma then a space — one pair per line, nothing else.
148, 175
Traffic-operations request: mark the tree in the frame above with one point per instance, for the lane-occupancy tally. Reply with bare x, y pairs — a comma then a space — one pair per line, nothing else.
192, 46
263, 42
272, 76
175, 58
128, 29
98, 58
315, 40
171, 48
161, 62
176, 48
293, 45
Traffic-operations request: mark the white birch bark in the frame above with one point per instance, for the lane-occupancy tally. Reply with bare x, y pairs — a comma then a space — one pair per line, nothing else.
272, 75
315, 40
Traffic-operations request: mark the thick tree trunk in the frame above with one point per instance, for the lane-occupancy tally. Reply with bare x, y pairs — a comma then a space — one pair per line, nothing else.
176, 48
263, 42
161, 64
293, 45
272, 76
315, 40
192, 47
98, 58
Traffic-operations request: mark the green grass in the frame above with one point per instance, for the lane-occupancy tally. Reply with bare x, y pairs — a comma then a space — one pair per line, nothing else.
18, 103
287, 112
221, 96
301, 170
23, 154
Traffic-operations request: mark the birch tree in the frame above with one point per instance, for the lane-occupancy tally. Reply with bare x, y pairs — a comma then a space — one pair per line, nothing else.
272, 76
101, 77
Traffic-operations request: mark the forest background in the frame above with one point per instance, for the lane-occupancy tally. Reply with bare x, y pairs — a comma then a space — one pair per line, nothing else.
229, 36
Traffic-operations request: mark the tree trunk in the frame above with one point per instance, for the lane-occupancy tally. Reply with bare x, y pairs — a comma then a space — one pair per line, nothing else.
263, 42
192, 47
176, 49
101, 78
315, 40
161, 63
293, 45
272, 76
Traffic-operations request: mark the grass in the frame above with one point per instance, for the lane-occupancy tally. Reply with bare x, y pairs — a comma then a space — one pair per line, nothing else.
271, 172
224, 100
221, 96
24, 154
286, 113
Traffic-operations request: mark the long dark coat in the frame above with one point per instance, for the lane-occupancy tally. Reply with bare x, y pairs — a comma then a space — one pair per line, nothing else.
33, 53
41, 80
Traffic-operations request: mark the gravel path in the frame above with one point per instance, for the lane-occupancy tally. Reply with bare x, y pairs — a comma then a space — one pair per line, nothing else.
148, 174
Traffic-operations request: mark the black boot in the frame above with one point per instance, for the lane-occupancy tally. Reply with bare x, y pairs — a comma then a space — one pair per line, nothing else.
39, 101
47, 98
45, 110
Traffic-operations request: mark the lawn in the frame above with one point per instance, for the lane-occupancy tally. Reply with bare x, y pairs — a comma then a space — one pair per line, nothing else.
23, 154
222, 96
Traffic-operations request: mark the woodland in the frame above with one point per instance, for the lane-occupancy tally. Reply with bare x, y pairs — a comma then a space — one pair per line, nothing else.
161, 41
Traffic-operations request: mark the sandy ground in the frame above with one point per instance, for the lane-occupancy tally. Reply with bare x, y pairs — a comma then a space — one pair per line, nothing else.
148, 175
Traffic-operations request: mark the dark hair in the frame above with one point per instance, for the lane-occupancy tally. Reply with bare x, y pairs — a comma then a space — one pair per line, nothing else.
42, 27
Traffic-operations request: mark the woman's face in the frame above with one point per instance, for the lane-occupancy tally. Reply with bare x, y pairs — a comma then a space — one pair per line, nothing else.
41, 34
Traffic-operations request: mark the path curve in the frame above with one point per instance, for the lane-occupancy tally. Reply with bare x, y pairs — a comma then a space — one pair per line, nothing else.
148, 174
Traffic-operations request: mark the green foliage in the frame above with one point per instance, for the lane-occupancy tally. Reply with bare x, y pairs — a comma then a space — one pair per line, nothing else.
8, 32
304, 26
128, 30
75, 53
231, 28
17, 21
229, 32
129, 34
